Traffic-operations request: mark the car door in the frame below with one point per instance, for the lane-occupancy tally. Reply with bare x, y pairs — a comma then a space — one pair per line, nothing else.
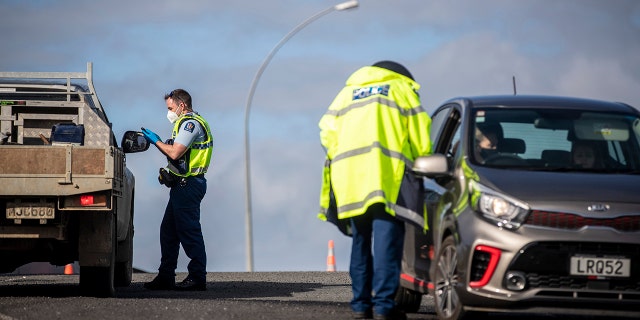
442, 192
445, 133
416, 261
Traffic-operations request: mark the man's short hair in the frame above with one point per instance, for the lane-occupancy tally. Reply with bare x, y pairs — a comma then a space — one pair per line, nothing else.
181, 95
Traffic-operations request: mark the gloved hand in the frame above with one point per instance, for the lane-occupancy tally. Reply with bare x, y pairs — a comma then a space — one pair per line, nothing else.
151, 136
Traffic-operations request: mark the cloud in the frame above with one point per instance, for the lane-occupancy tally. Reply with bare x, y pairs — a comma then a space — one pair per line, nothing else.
600, 78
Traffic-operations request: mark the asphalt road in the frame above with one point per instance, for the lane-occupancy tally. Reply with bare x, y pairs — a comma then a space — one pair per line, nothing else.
241, 295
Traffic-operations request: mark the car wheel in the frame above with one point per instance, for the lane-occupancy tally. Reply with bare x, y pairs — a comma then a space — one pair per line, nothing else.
446, 279
408, 300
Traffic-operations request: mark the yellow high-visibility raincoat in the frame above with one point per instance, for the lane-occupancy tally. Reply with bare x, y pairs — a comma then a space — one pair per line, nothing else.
372, 131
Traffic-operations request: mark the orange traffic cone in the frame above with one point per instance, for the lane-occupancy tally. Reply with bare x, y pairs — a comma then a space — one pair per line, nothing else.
68, 269
331, 259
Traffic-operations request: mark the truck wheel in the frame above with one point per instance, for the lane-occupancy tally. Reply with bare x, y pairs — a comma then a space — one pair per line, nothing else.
124, 269
408, 300
124, 266
97, 281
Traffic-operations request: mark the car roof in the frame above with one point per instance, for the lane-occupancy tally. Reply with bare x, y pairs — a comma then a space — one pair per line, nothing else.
527, 101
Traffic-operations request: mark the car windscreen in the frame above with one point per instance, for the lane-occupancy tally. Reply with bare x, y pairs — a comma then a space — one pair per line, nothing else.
555, 139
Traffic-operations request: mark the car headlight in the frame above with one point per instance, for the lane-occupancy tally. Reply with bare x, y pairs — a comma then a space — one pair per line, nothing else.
504, 211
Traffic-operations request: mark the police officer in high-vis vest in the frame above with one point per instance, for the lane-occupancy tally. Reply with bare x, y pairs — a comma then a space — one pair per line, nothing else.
372, 132
188, 152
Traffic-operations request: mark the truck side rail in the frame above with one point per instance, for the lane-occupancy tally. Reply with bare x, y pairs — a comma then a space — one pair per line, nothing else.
68, 76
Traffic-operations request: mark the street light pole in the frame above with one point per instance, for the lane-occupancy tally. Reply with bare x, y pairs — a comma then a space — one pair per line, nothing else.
249, 232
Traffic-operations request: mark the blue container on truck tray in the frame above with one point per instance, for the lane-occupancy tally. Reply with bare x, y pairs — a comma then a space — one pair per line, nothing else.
67, 133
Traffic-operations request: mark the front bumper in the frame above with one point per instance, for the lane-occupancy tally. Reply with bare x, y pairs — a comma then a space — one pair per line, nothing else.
542, 257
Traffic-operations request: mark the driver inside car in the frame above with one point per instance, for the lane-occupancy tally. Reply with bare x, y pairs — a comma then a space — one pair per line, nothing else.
486, 141
584, 155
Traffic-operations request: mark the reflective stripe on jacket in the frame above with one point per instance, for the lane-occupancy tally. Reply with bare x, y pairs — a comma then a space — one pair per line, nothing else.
372, 131
198, 156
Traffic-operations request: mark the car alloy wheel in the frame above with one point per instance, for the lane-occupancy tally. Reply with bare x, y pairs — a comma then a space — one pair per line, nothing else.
448, 305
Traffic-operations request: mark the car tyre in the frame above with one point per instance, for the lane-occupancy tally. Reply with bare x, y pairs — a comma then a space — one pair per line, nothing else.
446, 278
408, 300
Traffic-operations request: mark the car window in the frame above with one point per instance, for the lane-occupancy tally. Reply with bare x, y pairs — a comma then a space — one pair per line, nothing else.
454, 147
615, 151
537, 140
569, 140
447, 121
437, 121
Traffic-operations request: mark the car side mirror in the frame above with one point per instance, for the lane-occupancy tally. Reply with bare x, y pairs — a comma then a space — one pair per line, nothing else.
432, 166
134, 141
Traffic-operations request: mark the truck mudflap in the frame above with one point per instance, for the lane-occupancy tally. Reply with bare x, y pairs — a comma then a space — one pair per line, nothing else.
96, 241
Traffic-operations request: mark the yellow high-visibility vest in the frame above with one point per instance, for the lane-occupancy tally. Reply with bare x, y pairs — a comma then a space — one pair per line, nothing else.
199, 154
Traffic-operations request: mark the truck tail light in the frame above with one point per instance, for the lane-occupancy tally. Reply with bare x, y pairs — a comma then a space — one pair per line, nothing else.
87, 200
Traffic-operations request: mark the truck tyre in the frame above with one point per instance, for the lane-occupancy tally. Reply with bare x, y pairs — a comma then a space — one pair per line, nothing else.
124, 264
98, 281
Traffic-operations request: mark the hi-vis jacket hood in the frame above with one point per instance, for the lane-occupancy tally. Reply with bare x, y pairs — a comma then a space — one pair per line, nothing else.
372, 131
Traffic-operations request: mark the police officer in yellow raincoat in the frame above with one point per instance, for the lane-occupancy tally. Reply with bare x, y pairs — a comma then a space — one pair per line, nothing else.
372, 132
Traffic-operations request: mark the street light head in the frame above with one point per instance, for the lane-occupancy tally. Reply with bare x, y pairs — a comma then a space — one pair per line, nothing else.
346, 5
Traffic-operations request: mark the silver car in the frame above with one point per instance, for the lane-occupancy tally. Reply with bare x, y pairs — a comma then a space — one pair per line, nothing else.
533, 206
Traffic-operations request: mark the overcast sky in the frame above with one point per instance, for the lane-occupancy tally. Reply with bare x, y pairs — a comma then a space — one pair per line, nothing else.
143, 49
